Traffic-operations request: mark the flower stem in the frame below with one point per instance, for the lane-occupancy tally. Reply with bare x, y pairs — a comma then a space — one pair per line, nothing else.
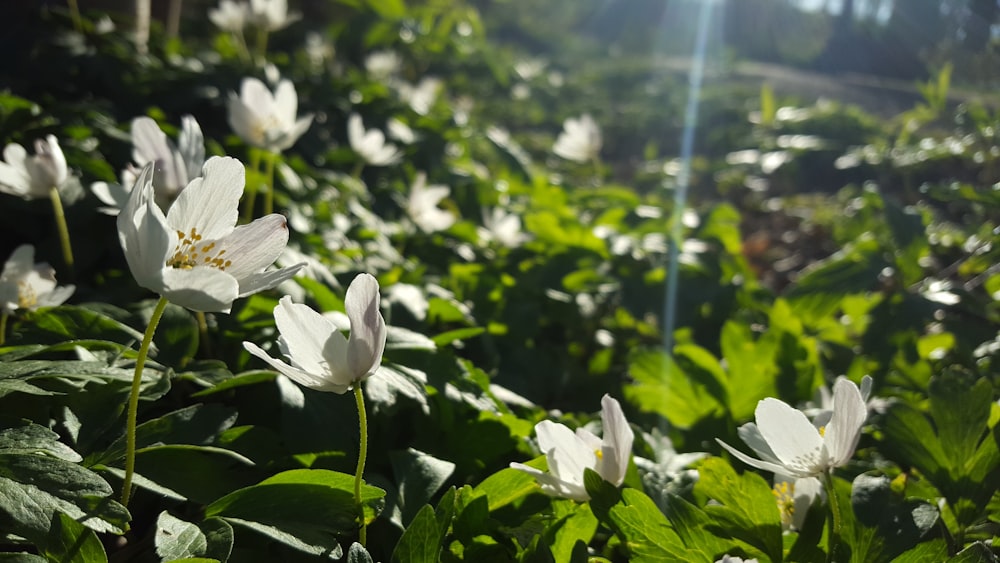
133, 398
3, 327
251, 189
833, 529
362, 454
67, 249
262, 45
206, 346
74, 11
269, 176
356, 173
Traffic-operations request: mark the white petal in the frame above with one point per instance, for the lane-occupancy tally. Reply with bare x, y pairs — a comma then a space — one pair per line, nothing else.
355, 132
262, 281
760, 464
849, 414
57, 296
21, 261
301, 377
210, 204
13, 173
191, 145
256, 96
305, 334
568, 456
253, 247
617, 445
792, 438
244, 122
143, 234
286, 103
150, 144
368, 332
751, 436
201, 288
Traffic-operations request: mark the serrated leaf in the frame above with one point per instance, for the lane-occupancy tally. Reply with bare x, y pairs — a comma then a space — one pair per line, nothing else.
646, 533
421, 542
662, 386
25, 437
69, 541
506, 486
746, 510
393, 381
34, 488
176, 539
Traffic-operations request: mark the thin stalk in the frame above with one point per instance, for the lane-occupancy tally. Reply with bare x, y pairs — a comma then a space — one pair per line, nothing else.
833, 525
251, 189
3, 327
74, 12
206, 346
269, 176
598, 169
362, 455
356, 173
262, 44
133, 398
67, 249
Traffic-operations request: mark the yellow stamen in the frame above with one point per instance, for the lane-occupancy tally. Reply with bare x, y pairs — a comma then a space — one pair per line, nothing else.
186, 254
26, 296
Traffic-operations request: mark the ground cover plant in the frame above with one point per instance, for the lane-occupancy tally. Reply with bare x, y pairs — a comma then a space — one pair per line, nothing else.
367, 284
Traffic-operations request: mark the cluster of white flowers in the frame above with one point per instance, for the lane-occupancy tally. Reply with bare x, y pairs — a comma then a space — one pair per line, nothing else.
270, 15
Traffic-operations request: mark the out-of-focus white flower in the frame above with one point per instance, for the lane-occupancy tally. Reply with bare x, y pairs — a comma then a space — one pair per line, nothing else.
318, 49
409, 296
788, 444
370, 144
319, 355
382, 65
422, 205
104, 25
266, 120
33, 177
580, 140
174, 166
26, 285
794, 496
196, 256
529, 68
569, 454
400, 131
421, 96
230, 16
730, 559
502, 227
271, 15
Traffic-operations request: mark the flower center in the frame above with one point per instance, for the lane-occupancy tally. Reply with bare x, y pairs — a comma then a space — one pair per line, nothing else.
784, 494
26, 296
822, 431
599, 454
190, 252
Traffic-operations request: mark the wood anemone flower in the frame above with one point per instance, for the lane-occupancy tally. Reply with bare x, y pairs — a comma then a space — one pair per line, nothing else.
195, 256
319, 356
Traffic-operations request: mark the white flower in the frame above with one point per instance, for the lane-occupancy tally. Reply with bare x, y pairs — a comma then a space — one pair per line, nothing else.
730, 559
230, 16
264, 120
33, 177
370, 145
502, 227
794, 496
382, 64
319, 355
580, 140
196, 256
568, 454
422, 96
271, 15
174, 166
400, 131
422, 205
26, 285
788, 444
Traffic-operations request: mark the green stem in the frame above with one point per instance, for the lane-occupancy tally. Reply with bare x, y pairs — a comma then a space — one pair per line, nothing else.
598, 169
362, 455
251, 188
356, 173
74, 11
262, 45
67, 249
833, 529
269, 176
3, 327
133, 398
206, 346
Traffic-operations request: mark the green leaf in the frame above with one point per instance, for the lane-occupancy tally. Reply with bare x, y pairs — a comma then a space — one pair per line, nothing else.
34, 488
446, 338
961, 413
646, 532
746, 510
25, 437
419, 476
195, 425
662, 386
421, 542
68, 322
176, 539
358, 554
885, 526
71, 542
578, 526
506, 486
301, 507
978, 552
